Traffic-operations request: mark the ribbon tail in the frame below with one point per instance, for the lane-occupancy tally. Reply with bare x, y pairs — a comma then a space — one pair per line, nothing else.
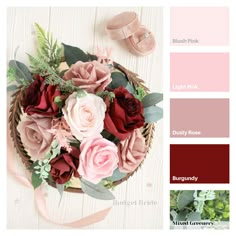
85, 221
91, 219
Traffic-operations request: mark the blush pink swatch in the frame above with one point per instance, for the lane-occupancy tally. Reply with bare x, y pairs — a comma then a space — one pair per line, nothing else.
199, 72
199, 118
199, 26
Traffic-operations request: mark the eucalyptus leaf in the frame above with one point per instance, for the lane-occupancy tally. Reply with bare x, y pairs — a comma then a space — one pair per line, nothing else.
194, 216
60, 188
174, 214
74, 54
11, 88
185, 198
36, 180
92, 57
117, 175
182, 215
152, 99
118, 80
130, 88
21, 72
153, 114
96, 190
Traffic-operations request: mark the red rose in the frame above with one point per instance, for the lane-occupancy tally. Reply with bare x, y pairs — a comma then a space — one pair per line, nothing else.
39, 98
124, 114
64, 166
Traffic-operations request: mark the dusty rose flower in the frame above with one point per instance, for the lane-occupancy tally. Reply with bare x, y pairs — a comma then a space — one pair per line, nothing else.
131, 152
91, 76
84, 115
98, 158
34, 136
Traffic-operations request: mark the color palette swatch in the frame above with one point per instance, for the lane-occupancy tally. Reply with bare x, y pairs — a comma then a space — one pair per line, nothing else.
199, 163
199, 118
199, 72
198, 26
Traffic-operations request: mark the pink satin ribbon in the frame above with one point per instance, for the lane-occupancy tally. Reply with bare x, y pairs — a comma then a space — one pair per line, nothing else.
40, 198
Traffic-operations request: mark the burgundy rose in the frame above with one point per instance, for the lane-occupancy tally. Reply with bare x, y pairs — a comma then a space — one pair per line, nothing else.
124, 114
39, 98
64, 166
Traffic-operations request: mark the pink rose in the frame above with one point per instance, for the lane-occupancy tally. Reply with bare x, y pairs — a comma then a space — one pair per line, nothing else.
98, 158
131, 152
91, 76
84, 115
34, 136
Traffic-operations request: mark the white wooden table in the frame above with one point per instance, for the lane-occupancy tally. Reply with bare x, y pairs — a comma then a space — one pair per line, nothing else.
85, 28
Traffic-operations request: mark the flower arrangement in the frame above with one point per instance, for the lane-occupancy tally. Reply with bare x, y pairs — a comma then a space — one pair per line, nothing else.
80, 122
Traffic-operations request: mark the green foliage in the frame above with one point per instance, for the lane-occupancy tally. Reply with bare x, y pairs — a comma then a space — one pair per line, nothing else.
106, 93
139, 93
60, 189
117, 175
184, 198
39, 66
92, 57
118, 80
49, 50
107, 183
152, 99
194, 216
59, 102
96, 190
36, 180
67, 184
105, 134
74, 54
47, 61
12, 87
153, 114
217, 209
199, 205
41, 169
11, 74
19, 72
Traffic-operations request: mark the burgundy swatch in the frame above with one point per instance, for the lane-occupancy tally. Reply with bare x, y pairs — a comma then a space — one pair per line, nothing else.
199, 163
199, 118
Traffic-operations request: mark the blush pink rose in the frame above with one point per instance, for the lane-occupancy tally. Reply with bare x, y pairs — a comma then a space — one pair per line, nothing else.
98, 158
34, 136
91, 76
84, 115
131, 152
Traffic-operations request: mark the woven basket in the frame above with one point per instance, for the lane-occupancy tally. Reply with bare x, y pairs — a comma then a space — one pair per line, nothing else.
15, 117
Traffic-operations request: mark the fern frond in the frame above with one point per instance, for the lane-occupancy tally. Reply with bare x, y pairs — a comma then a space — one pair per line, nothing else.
40, 35
49, 49
39, 66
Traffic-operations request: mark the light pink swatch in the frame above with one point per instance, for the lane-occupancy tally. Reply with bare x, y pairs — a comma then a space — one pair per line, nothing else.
195, 26
199, 72
199, 118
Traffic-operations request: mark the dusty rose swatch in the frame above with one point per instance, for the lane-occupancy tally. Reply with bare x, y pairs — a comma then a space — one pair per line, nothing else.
199, 118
